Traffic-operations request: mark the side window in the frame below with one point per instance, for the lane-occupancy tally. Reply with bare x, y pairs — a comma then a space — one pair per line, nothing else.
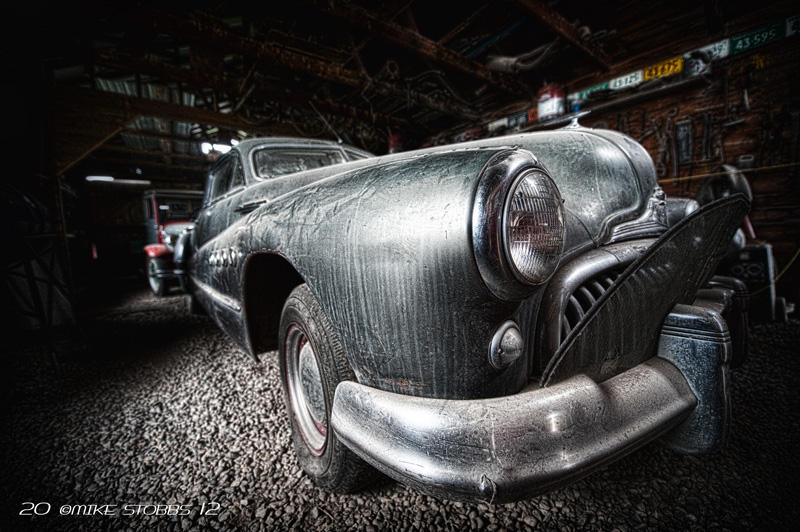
237, 180
219, 178
225, 175
355, 156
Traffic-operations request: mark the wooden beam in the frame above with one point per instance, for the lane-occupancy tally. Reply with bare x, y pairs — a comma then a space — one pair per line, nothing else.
565, 29
198, 80
453, 33
205, 31
411, 40
82, 120
104, 101
162, 136
134, 151
132, 163
76, 129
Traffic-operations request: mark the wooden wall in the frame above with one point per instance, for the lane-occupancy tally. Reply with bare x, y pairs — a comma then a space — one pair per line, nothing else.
770, 75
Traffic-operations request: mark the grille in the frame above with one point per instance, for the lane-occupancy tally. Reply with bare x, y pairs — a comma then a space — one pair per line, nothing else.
582, 300
576, 289
602, 313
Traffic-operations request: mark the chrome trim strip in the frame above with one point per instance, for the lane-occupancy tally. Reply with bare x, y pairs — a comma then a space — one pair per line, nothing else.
652, 222
217, 296
683, 332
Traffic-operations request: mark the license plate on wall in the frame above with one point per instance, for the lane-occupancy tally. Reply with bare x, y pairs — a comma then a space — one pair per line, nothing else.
754, 39
669, 67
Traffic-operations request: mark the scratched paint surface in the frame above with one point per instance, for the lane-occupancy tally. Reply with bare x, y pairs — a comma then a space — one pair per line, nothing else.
384, 244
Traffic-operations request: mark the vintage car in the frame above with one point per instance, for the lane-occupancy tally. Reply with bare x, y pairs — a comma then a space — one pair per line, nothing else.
167, 214
481, 321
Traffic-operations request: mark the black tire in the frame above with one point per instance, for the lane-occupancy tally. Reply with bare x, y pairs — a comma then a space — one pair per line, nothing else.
158, 286
329, 463
193, 305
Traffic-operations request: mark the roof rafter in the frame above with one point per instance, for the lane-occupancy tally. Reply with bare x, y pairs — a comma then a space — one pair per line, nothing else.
99, 158
161, 136
206, 31
176, 155
82, 120
411, 40
565, 29
196, 79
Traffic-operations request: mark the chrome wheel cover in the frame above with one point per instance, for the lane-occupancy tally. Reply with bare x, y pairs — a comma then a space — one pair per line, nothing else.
306, 392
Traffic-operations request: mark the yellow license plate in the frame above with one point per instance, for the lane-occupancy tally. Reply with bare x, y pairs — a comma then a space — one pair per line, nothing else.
669, 67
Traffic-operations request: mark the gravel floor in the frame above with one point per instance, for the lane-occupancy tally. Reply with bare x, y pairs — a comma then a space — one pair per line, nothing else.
164, 410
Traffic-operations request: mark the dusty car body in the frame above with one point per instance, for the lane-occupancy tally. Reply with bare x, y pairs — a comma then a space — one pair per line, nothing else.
482, 321
167, 214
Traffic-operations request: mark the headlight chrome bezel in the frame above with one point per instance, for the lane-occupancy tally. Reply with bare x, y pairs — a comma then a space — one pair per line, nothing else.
498, 179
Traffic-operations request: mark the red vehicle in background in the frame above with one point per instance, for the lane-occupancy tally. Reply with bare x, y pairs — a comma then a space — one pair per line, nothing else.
167, 214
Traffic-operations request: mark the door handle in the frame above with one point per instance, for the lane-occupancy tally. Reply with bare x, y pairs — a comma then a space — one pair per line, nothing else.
250, 206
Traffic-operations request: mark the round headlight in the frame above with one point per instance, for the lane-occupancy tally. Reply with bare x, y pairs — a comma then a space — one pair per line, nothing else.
533, 227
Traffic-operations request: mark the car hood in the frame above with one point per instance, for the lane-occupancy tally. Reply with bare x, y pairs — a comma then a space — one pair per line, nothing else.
176, 228
604, 177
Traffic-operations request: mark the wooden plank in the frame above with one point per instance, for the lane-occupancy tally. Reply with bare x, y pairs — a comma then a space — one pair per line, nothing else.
162, 136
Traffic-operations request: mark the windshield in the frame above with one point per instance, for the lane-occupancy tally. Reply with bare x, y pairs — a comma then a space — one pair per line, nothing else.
177, 209
272, 162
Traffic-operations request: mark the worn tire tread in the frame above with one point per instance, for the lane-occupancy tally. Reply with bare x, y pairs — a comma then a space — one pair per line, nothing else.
345, 472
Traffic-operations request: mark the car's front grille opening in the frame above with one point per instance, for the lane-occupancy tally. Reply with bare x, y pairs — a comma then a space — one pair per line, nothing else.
584, 298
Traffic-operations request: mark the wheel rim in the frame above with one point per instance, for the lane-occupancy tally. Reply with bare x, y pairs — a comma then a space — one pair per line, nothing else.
155, 282
306, 392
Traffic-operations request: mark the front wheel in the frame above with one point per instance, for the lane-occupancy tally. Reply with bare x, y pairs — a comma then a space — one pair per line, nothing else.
313, 363
157, 285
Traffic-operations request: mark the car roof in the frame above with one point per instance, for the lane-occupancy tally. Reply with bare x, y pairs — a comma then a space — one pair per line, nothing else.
173, 192
248, 144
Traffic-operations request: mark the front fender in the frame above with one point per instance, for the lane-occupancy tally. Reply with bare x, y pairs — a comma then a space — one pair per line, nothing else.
155, 251
387, 251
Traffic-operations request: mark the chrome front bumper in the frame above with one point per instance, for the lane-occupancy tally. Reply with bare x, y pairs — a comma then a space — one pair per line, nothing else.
507, 448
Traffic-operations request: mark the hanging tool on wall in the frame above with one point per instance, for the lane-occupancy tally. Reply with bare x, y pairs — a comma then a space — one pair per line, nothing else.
661, 143
669, 126
794, 141
623, 123
684, 140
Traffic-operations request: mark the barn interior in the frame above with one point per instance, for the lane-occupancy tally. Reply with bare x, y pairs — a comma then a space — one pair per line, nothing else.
117, 100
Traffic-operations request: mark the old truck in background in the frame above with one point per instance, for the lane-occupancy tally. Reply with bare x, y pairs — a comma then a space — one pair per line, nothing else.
167, 213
